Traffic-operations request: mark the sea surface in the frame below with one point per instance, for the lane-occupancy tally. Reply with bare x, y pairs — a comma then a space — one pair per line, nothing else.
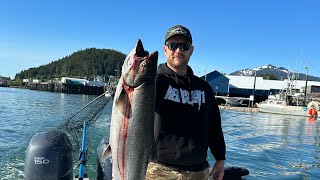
270, 146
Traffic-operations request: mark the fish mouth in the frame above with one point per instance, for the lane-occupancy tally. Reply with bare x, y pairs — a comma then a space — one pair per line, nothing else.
142, 67
140, 52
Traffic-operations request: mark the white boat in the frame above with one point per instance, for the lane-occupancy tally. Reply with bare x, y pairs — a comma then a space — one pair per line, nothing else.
279, 106
287, 102
110, 91
109, 94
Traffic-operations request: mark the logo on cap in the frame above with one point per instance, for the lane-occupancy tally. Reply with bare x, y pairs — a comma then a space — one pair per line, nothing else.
178, 30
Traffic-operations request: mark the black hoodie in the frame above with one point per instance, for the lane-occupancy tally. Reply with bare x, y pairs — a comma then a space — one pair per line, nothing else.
187, 121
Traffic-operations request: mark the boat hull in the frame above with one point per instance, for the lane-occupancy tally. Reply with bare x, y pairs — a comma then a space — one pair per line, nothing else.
285, 110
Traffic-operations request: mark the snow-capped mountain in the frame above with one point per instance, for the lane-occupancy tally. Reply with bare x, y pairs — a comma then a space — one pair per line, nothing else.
278, 72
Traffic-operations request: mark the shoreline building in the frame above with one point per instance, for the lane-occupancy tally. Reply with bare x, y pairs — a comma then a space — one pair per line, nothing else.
244, 86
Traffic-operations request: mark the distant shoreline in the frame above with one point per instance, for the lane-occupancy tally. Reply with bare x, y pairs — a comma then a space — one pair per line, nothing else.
242, 109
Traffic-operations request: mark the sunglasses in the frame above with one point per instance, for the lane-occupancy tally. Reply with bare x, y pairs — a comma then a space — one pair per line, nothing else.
182, 46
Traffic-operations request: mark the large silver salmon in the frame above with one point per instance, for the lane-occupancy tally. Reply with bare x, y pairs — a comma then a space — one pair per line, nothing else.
132, 121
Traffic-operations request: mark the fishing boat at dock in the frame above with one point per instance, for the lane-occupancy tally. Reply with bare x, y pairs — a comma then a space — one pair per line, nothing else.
288, 102
279, 106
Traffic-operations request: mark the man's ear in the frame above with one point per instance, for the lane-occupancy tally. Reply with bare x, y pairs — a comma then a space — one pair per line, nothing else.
165, 48
191, 50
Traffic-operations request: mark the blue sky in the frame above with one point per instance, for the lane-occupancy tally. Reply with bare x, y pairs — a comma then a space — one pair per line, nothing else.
228, 35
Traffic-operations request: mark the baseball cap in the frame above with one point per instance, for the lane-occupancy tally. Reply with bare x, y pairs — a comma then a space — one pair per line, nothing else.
178, 30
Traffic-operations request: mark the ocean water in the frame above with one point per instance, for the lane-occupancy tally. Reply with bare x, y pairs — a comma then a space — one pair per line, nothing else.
270, 146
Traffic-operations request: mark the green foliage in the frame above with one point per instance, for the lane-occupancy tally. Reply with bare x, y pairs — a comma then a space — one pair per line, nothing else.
16, 82
84, 63
4, 78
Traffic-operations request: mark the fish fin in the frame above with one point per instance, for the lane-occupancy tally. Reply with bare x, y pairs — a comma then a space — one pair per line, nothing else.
119, 89
154, 56
106, 152
123, 103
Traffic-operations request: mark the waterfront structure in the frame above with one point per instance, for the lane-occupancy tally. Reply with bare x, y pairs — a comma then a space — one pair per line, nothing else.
70, 85
74, 81
26, 81
218, 82
312, 89
36, 81
3, 83
244, 86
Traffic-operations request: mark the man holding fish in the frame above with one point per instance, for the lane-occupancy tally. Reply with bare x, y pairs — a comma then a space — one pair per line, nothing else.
187, 117
169, 117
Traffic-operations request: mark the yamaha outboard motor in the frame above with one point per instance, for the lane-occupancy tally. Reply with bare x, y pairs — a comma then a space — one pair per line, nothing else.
49, 156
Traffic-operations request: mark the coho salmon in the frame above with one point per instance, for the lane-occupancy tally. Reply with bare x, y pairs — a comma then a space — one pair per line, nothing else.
132, 121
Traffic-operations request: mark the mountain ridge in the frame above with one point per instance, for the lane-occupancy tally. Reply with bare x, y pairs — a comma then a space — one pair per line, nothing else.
278, 73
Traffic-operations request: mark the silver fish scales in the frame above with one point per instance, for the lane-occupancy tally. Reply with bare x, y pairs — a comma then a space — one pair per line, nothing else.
132, 121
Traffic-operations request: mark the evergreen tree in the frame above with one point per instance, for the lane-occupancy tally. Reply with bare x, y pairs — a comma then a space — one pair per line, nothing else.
90, 62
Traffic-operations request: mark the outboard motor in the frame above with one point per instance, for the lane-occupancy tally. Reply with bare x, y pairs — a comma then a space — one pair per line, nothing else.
49, 156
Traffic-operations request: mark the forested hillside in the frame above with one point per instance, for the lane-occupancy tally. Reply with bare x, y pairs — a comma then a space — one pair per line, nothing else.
84, 63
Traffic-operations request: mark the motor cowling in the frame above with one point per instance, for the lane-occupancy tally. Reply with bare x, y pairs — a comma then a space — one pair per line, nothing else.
49, 156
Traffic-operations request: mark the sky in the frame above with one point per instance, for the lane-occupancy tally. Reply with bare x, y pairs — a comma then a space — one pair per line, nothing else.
228, 35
